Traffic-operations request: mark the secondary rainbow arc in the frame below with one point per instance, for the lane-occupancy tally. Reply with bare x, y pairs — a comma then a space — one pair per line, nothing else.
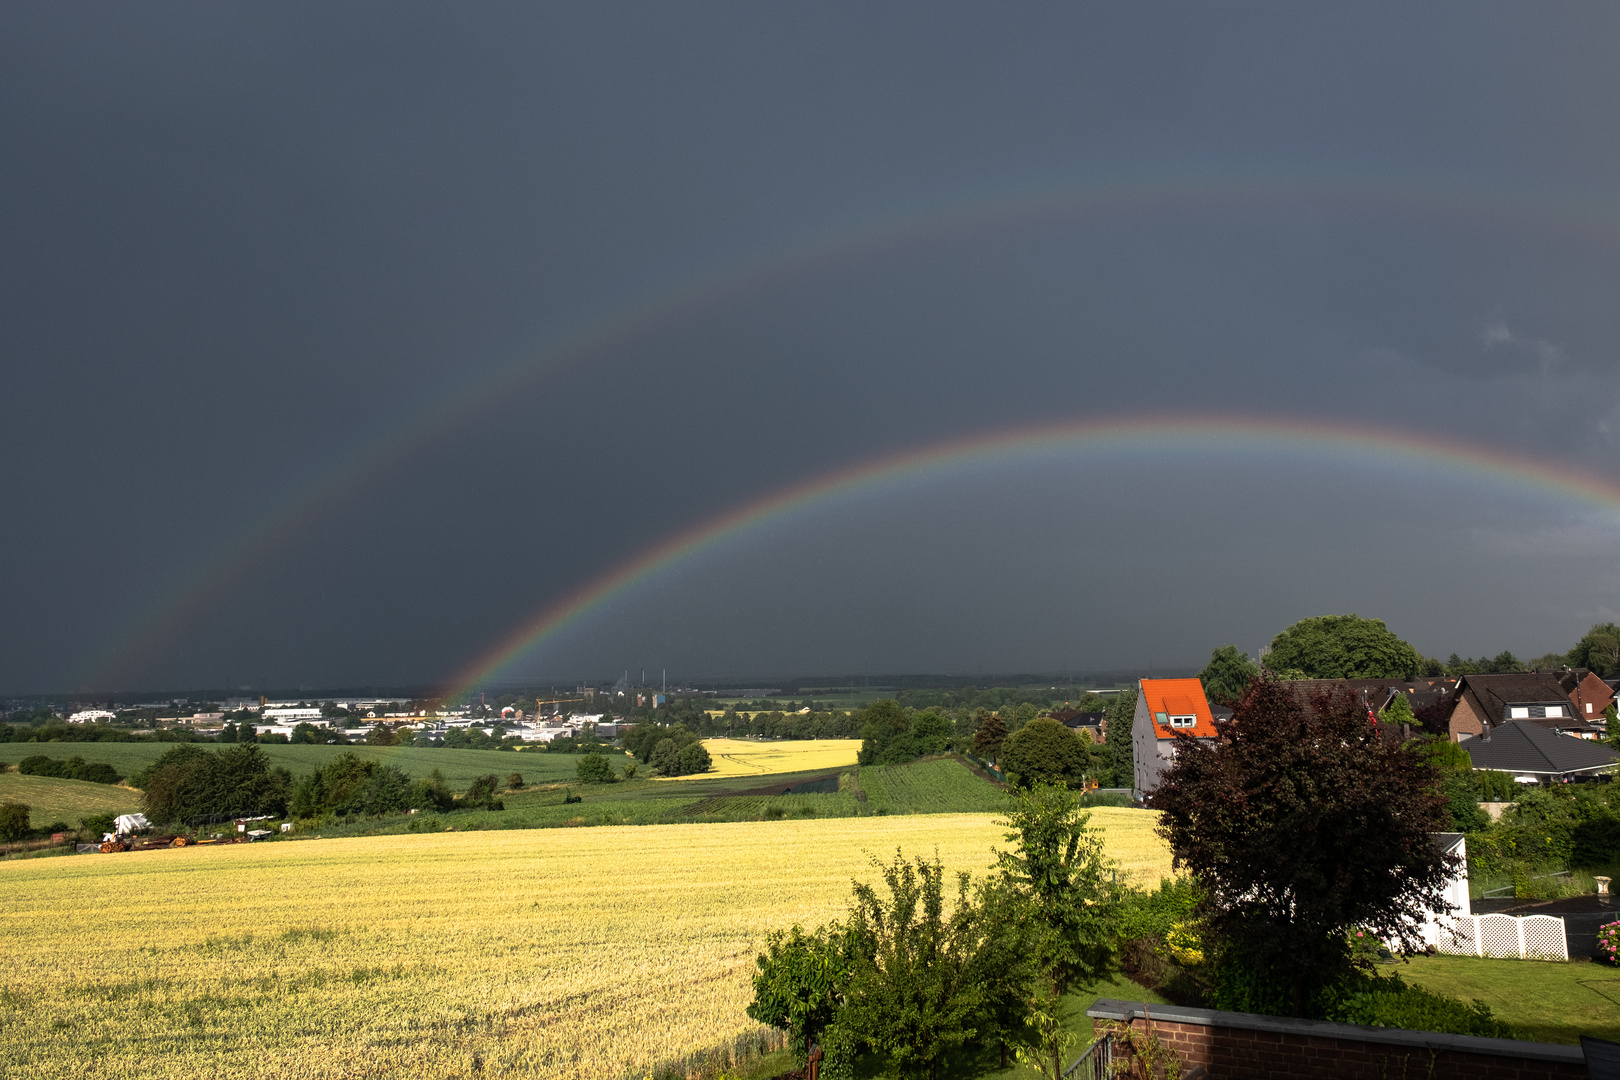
599, 334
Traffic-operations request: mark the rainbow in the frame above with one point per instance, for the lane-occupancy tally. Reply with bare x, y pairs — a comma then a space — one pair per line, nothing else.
401, 434
1004, 450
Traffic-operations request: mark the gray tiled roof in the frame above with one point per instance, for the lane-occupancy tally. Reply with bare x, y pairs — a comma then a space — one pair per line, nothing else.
1522, 747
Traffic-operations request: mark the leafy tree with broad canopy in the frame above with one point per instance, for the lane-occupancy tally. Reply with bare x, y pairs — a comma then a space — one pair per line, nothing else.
912, 995
1227, 674
1044, 751
1058, 869
14, 820
189, 783
1599, 650
992, 732
802, 980
1303, 822
594, 769
1343, 647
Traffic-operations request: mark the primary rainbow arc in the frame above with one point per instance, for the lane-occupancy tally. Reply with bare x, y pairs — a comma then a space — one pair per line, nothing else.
1159, 433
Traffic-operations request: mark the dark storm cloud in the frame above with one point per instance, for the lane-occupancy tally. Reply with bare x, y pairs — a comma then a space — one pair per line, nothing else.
241, 243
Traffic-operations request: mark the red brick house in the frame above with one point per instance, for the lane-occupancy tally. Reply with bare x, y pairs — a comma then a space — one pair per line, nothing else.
1587, 692
1482, 702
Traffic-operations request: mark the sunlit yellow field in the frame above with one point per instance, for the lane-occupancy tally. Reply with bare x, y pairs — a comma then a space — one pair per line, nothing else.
743, 757
597, 952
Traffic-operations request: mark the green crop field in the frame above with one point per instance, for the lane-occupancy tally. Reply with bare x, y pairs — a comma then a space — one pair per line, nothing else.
935, 786
68, 801
929, 787
459, 766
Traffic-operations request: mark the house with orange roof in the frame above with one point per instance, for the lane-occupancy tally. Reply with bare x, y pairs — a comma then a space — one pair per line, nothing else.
1166, 711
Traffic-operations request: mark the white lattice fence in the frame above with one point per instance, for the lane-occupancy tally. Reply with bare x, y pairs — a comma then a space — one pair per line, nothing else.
1532, 937
1499, 936
1459, 936
1544, 938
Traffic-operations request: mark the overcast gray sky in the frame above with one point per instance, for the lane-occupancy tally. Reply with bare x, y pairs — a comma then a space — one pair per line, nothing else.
339, 341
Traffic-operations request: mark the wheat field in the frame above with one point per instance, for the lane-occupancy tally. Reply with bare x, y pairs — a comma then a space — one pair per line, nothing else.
604, 952
745, 757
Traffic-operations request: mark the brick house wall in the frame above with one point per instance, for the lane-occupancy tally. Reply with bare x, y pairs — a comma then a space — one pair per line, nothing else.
1590, 697
1465, 722
1243, 1046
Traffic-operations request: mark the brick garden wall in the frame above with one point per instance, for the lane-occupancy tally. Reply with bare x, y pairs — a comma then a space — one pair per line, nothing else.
1241, 1045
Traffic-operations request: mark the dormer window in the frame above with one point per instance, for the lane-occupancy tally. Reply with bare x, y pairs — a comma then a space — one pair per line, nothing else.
1519, 713
1183, 721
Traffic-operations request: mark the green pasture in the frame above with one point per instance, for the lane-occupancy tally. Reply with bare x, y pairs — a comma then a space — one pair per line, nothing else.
1545, 1000
934, 786
460, 767
69, 801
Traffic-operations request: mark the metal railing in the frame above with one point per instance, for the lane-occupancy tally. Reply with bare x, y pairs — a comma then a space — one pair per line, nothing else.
1095, 1063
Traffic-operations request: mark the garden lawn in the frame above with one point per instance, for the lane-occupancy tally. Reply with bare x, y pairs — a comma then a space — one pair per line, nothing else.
1544, 1000
51, 800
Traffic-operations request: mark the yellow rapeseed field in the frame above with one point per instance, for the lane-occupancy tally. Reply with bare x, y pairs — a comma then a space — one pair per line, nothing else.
744, 757
600, 952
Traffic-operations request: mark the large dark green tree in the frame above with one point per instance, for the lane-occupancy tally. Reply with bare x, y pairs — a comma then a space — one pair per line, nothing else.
1044, 751
987, 740
1118, 756
1598, 650
188, 784
1301, 823
13, 821
1227, 674
1343, 647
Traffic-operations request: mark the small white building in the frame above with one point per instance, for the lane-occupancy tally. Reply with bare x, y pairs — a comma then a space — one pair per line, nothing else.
293, 713
1456, 890
91, 716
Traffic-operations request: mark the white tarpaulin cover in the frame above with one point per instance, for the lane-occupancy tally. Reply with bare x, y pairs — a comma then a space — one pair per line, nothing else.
131, 823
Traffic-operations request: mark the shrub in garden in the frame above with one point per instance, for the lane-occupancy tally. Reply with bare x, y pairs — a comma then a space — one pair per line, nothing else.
912, 973
1387, 1001
1302, 824
1609, 941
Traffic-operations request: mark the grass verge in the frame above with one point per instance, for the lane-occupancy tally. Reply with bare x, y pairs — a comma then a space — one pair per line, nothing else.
1546, 1001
